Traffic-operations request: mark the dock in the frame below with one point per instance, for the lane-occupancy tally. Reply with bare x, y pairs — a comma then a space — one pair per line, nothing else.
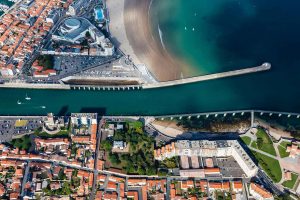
263, 67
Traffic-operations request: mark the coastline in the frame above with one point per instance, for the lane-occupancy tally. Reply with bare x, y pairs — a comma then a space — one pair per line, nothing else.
131, 30
93, 83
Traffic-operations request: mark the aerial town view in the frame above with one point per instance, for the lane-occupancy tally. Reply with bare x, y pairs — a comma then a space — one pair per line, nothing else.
149, 99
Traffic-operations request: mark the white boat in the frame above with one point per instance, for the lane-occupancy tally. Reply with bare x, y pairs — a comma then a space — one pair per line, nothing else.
43, 107
19, 102
27, 98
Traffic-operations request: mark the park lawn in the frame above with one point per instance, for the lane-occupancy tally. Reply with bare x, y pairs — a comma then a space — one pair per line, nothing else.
290, 184
282, 149
266, 142
254, 145
60, 134
137, 125
270, 165
23, 143
246, 140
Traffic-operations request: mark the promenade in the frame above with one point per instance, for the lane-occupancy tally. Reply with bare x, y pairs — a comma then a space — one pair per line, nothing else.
263, 67
35, 86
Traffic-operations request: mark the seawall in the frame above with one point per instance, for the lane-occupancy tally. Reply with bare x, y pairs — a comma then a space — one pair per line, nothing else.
263, 67
129, 85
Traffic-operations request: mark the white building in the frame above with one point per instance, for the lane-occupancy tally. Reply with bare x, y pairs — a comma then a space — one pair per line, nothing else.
119, 145
74, 30
76, 7
7, 72
207, 148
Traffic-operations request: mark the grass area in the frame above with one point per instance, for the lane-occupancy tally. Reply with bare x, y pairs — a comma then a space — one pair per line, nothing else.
21, 123
246, 140
282, 149
270, 165
264, 142
60, 134
136, 125
290, 184
170, 162
254, 145
22, 143
223, 195
46, 61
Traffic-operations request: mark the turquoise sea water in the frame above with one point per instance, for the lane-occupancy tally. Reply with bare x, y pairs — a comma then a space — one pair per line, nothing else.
228, 35
221, 35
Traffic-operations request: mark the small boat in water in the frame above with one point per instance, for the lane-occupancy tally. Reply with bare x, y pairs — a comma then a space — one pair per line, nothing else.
27, 97
19, 102
43, 107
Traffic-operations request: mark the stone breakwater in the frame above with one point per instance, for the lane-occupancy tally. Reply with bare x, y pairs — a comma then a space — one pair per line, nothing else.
263, 67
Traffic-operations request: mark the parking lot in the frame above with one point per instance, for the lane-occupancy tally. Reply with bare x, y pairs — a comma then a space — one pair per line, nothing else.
17, 126
75, 64
229, 167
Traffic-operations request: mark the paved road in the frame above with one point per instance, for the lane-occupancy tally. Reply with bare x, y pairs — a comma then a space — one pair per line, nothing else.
268, 182
25, 178
94, 189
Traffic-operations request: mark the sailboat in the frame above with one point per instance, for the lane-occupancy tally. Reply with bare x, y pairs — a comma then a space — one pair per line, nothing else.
19, 102
27, 97
43, 107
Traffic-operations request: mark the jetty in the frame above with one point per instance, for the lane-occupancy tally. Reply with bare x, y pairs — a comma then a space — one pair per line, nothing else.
264, 67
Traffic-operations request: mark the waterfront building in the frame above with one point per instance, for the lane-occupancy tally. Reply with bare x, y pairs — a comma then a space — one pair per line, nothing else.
259, 193
44, 74
208, 148
74, 30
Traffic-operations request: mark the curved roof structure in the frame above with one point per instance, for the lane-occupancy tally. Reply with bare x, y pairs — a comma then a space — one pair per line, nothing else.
72, 23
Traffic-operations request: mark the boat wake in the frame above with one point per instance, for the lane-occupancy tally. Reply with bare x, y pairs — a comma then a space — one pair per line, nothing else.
161, 38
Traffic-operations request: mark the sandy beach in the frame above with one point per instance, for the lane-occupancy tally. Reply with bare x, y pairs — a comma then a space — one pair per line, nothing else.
131, 31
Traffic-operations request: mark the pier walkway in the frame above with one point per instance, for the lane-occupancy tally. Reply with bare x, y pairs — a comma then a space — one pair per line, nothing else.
263, 67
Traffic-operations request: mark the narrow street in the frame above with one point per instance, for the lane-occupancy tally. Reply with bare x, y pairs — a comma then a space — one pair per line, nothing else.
94, 189
25, 177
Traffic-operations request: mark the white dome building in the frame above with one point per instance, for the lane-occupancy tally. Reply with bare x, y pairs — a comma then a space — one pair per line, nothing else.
70, 25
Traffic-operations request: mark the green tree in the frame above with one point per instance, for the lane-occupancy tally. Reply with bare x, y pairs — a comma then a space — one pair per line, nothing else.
114, 158
87, 34
62, 175
106, 144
